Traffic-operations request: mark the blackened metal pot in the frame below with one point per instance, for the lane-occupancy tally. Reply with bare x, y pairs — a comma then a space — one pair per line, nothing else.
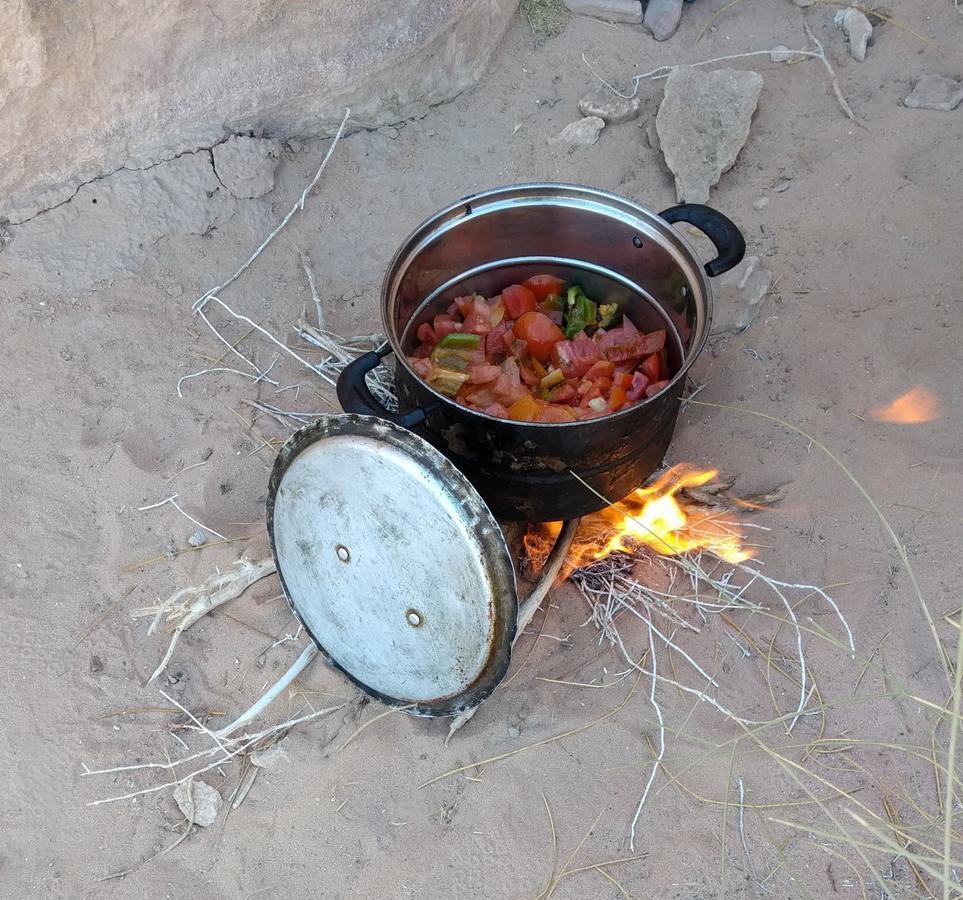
619, 252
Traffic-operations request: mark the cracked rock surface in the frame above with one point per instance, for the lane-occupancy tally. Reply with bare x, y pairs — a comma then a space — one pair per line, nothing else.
245, 165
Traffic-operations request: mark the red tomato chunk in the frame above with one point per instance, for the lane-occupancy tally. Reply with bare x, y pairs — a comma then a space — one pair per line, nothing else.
536, 354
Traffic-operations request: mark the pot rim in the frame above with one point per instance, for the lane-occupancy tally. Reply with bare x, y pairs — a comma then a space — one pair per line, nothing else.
528, 192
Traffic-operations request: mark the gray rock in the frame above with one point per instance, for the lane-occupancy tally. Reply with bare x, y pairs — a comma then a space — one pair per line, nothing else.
858, 30
582, 133
629, 11
780, 53
190, 74
271, 757
198, 801
935, 92
760, 204
611, 110
197, 539
245, 165
740, 294
782, 187
703, 122
514, 731
662, 18
652, 135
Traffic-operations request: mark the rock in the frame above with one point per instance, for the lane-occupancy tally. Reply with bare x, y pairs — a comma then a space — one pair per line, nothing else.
245, 165
782, 187
703, 122
270, 758
780, 53
935, 92
611, 110
741, 292
582, 133
858, 30
629, 11
197, 539
662, 18
652, 135
197, 800
100, 86
207, 453
514, 731
760, 204
96, 665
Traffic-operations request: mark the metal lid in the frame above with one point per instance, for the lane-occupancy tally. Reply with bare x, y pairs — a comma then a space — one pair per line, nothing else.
393, 563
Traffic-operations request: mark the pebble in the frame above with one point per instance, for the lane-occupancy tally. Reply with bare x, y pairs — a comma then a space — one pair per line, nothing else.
782, 187
389, 131
611, 110
780, 54
741, 292
197, 800
197, 539
652, 135
206, 453
270, 758
662, 18
935, 92
858, 30
703, 123
245, 165
583, 133
96, 665
629, 11
514, 731
760, 204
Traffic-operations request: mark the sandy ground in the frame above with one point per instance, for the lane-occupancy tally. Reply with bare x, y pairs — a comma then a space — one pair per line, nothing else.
866, 246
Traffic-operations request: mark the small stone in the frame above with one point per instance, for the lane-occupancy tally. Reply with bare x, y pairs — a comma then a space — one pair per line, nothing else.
703, 122
206, 453
170, 550
245, 165
662, 18
629, 11
935, 92
782, 187
389, 131
583, 133
197, 539
198, 801
652, 135
294, 145
780, 54
514, 731
175, 290
96, 665
858, 31
611, 110
740, 294
760, 204
270, 758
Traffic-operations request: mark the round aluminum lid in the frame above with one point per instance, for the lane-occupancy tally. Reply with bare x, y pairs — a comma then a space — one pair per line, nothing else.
393, 563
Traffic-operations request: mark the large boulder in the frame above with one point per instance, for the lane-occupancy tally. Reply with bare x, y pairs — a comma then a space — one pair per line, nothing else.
88, 87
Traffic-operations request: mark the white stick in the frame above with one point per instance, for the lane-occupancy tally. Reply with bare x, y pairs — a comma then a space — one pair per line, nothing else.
300, 664
661, 754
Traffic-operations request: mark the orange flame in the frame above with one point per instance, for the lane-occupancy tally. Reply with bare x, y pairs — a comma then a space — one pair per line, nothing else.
917, 405
656, 518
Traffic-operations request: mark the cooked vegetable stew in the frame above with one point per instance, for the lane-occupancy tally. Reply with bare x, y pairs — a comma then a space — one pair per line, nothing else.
541, 351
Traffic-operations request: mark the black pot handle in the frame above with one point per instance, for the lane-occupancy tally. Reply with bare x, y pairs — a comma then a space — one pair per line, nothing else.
355, 396
728, 240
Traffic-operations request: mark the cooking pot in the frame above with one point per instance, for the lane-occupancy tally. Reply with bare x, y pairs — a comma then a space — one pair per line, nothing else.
618, 251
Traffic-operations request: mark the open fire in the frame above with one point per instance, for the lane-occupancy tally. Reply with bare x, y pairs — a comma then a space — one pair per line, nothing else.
659, 518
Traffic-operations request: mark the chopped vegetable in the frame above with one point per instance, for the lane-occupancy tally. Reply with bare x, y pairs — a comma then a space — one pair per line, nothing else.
580, 312
508, 357
608, 314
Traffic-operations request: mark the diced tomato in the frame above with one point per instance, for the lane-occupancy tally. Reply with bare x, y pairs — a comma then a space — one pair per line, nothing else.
602, 369
518, 299
639, 383
478, 320
540, 333
543, 285
623, 344
424, 350
453, 310
617, 398
465, 304
482, 374
651, 367
496, 409
622, 380
443, 325
525, 409
553, 413
426, 334
529, 375
654, 389
564, 393
422, 367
